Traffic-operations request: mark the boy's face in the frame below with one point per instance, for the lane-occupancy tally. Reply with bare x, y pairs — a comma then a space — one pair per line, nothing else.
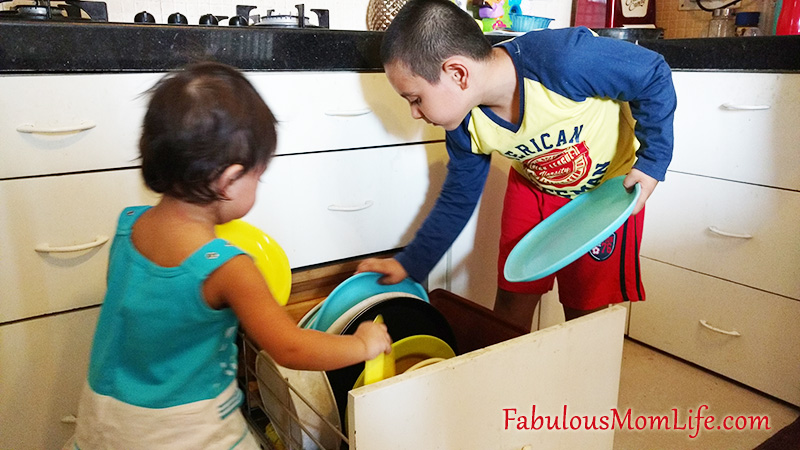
442, 104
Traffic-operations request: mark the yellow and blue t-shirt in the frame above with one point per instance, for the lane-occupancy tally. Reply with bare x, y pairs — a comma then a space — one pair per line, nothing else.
591, 108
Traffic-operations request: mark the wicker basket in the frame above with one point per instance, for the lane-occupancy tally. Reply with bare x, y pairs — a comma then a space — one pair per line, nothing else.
380, 13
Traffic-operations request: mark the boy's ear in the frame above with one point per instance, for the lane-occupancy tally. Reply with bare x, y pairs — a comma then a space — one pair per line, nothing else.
457, 69
228, 177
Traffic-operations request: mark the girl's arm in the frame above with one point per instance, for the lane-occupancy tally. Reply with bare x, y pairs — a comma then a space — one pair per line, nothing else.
239, 285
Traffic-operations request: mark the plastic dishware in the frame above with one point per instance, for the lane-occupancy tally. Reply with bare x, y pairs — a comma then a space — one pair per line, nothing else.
573, 230
268, 256
411, 351
338, 325
355, 289
380, 367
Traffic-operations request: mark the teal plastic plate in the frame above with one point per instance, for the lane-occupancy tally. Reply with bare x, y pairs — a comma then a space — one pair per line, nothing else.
570, 232
355, 289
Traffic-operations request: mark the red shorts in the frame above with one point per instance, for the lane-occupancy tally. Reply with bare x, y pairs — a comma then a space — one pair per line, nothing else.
609, 273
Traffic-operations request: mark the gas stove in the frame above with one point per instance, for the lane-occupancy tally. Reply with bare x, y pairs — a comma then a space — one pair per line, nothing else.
63, 11
244, 17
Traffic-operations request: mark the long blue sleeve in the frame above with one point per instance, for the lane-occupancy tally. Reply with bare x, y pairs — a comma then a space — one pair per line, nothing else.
461, 191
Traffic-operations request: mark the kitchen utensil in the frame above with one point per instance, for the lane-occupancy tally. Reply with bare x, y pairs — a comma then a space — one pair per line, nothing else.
523, 23
631, 34
355, 289
288, 394
304, 321
424, 363
411, 352
571, 231
338, 325
403, 317
380, 367
268, 256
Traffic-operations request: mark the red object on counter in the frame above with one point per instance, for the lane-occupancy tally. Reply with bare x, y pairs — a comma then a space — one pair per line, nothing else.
789, 18
630, 12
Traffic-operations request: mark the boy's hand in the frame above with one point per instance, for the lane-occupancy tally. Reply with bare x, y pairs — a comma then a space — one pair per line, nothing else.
647, 183
392, 270
375, 338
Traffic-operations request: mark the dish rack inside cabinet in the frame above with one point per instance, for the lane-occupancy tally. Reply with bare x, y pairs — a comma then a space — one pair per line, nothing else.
277, 426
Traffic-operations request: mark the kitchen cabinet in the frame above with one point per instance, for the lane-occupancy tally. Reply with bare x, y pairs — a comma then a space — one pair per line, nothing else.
350, 177
720, 255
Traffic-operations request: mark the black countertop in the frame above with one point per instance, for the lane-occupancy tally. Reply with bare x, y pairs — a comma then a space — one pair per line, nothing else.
36, 47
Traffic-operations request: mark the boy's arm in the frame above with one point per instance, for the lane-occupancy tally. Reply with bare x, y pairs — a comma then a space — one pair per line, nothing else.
462, 188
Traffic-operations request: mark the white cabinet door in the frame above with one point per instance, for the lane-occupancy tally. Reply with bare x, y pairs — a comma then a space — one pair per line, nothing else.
735, 231
743, 333
43, 220
485, 399
43, 369
319, 111
738, 126
68, 123
327, 206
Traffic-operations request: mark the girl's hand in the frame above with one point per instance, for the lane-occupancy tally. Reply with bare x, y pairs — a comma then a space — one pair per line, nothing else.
392, 270
375, 338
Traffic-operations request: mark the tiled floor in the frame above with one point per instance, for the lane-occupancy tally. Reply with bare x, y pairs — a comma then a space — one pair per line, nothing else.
653, 383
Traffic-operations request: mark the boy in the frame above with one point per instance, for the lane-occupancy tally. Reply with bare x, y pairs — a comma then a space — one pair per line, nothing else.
570, 108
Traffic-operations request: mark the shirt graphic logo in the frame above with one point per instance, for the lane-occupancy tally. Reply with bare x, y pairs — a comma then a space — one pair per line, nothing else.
560, 168
605, 249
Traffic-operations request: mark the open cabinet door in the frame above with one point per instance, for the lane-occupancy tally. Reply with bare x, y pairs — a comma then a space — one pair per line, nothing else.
485, 399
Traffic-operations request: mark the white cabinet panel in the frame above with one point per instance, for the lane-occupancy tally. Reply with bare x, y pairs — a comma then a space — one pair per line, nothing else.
462, 403
334, 205
66, 123
689, 216
327, 111
739, 126
43, 369
58, 212
743, 333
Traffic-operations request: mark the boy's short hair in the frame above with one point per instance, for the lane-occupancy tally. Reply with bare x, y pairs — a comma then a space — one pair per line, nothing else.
427, 32
200, 121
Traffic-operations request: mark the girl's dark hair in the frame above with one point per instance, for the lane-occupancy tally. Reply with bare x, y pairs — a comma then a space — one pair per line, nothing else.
200, 121
427, 32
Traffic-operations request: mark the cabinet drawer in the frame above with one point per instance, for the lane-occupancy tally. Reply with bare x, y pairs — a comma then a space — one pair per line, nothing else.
68, 123
327, 206
738, 126
319, 111
58, 212
678, 230
679, 302
44, 368
463, 403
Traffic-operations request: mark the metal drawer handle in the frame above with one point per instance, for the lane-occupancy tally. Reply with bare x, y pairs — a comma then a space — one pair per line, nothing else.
366, 205
45, 248
77, 128
716, 230
733, 107
349, 113
719, 330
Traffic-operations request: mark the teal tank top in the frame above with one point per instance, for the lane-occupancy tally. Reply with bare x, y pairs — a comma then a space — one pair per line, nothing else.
158, 343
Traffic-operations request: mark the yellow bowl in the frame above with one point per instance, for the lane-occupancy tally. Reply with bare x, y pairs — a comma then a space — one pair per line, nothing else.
268, 256
412, 350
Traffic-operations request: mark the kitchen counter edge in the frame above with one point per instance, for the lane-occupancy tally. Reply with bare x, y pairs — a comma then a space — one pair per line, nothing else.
27, 47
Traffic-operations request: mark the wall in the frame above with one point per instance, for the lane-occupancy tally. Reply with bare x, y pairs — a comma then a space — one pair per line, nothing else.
690, 24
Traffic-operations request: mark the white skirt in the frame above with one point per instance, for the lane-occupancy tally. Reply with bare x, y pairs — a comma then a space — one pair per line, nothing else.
107, 423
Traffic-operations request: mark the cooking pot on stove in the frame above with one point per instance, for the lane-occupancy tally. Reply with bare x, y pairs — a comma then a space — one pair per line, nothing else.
295, 21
